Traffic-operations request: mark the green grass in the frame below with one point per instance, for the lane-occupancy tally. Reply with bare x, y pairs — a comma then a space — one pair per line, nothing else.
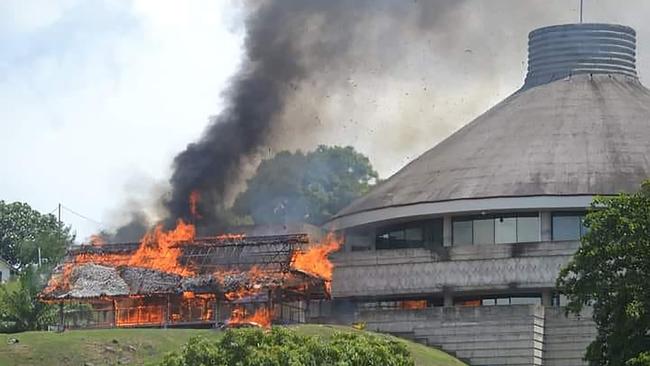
140, 346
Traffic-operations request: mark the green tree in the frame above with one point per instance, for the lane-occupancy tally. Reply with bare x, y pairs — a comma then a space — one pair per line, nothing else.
23, 230
283, 347
307, 187
20, 309
610, 272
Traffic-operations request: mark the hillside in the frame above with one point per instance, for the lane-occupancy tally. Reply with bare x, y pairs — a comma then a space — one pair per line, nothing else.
140, 346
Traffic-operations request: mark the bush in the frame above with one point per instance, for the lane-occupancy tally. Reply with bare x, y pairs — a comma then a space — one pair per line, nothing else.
20, 309
641, 360
283, 347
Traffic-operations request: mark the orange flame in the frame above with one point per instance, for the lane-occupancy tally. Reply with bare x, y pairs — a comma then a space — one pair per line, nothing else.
231, 237
315, 260
253, 275
413, 304
262, 317
158, 249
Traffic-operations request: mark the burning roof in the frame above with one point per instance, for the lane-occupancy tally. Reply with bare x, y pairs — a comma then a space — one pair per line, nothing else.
175, 262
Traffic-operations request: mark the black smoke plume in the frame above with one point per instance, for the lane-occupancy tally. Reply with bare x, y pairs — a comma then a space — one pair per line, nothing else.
288, 43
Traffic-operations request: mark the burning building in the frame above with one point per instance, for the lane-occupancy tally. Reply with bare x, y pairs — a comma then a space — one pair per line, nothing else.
462, 247
172, 278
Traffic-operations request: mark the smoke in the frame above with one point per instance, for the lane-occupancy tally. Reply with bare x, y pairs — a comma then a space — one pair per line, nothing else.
289, 44
390, 77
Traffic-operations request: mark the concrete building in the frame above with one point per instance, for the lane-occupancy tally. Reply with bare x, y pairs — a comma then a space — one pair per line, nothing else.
5, 271
462, 247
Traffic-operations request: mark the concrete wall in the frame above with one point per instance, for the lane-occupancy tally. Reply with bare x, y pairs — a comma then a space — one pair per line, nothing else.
566, 338
456, 268
494, 335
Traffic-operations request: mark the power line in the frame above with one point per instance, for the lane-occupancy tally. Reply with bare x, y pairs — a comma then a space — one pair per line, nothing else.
81, 216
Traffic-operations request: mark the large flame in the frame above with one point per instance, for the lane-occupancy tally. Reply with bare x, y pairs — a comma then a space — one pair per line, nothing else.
159, 249
262, 317
315, 260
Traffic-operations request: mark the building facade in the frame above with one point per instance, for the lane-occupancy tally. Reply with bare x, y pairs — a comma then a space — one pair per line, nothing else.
462, 247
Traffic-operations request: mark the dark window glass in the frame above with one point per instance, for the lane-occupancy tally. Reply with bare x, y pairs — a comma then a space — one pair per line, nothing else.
417, 234
528, 229
505, 230
568, 226
462, 234
509, 228
484, 231
436, 228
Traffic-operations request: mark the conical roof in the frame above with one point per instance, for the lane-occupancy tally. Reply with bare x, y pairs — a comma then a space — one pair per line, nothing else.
582, 128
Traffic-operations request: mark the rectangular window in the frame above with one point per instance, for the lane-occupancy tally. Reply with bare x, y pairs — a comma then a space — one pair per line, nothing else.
484, 231
500, 229
528, 229
419, 234
489, 302
525, 300
567, 226
503, 301
462, 232
505, 230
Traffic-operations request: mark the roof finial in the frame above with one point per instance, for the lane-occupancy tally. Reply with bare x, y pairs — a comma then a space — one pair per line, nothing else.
581, 5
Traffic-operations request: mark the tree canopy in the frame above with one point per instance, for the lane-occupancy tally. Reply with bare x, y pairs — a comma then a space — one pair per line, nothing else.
307, 187
23, 230
611, 272
283, 347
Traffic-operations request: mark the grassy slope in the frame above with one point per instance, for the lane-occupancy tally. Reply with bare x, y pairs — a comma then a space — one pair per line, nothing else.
139, 346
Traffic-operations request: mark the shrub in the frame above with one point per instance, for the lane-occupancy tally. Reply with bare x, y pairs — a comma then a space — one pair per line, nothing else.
283, 347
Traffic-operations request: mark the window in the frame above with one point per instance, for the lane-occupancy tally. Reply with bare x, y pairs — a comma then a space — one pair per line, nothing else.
493, 300
484, 231
500, 229
417, 234
527, 228
505, 230
462, 232
568, 225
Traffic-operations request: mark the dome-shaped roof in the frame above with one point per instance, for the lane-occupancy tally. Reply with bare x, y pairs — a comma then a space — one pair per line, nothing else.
584, 134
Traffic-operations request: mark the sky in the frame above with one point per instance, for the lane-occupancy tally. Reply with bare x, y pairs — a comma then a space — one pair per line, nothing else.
98, 96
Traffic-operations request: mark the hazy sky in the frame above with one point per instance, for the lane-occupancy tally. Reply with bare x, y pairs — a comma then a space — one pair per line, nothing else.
97, 96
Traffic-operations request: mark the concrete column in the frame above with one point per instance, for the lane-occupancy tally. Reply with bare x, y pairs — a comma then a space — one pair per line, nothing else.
448, 299
546, 223
371, 235
547, 296
446, 231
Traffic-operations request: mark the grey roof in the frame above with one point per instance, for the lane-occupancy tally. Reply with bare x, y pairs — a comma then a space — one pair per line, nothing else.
582, 135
